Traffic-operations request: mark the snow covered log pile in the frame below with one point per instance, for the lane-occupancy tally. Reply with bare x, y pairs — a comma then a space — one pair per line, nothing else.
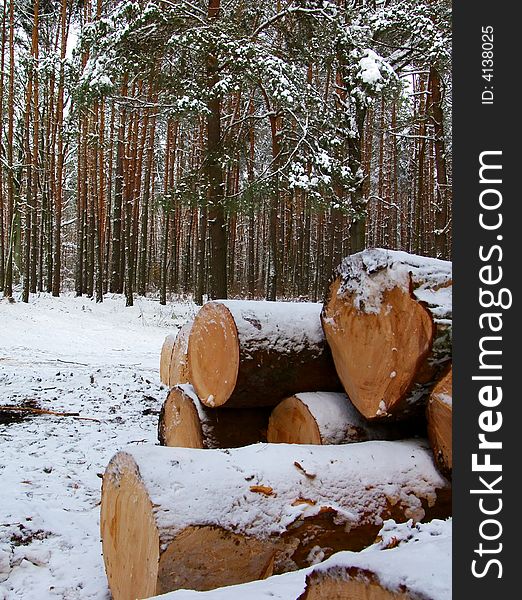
176, 518
218, 509
387, 320
439, 413
409, 561
255, 353
241, 356
185, 422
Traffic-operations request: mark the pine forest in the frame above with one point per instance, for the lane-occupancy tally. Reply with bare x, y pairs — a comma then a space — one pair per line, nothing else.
219, 149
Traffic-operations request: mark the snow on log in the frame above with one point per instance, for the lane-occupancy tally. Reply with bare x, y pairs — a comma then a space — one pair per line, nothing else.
179, 371
288, 586
439, 413
417, 568
185, 422
387, 319
176, 518
165, 358
254, 353
324, 418
381, 571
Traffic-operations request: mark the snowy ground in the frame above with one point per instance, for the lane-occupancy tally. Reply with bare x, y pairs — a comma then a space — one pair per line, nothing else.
72, 355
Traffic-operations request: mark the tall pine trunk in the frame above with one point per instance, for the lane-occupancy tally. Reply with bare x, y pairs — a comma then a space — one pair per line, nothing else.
215, 180
11, 216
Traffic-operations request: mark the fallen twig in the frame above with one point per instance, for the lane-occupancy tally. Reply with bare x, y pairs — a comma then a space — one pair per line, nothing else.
43, 411
71, 362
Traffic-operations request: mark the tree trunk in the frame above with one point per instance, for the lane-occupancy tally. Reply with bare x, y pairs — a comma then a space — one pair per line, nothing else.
200, 261
248, 353
142, 271
216, 199
116, 284
387, 319
35, 152
324, 418
28, 191
2, 76
443, 190
8, 282
358, 224
164, 260
167, 520
185, 422
57, 257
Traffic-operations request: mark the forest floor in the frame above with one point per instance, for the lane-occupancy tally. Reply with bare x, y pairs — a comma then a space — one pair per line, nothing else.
70, 355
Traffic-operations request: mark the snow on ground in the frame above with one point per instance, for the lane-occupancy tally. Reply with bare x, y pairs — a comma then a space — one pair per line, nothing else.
72, 355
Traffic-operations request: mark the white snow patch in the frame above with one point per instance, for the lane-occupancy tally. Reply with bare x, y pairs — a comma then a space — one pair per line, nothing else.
383, 409
445, 398
73, 355
368, 274
369, 68
282, 326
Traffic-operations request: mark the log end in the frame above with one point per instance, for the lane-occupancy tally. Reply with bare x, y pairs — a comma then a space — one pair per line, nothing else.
179, 369
179, 424
130, 540
379, 354
323, 587
291, 422
213, 354
165, 358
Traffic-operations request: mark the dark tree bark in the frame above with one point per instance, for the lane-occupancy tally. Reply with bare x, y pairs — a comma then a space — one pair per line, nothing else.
214, 169
116, 282
442, 188
8, 281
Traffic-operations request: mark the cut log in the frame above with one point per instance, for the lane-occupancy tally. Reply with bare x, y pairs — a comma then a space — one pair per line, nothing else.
185, 422
179, 371
165, 358
387, 319
419, 568
248, 353
384, 571
324, 418
439, 413
176, 518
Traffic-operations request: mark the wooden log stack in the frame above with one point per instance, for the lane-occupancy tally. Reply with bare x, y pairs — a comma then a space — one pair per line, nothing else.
345, 393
